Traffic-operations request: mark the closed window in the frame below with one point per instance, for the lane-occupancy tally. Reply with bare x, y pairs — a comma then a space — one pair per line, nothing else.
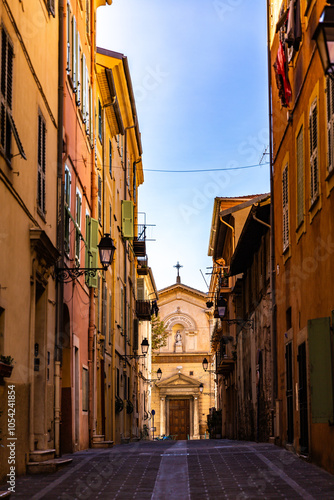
78, 226
330, 123
99, 198
110, 158
7, 55
300, 176
100, 120
314, 168
285, 199
41, 155
67, 201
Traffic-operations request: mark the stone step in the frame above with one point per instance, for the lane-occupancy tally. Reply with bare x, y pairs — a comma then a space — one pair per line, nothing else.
102, 444
47, 466
98, 437
41, 455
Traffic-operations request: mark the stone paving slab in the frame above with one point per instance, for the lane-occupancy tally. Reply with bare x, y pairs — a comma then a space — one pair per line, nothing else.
181, 470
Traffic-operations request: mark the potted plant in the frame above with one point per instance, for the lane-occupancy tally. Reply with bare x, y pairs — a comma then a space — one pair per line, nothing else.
6, 366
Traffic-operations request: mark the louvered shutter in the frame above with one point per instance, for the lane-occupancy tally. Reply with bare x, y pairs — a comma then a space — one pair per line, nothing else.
68, 33
92, 248
127, 219
300, 176
285, 194
41, 164
78, 84
140, 289
330, 123
84, 90
313, 125
74, 52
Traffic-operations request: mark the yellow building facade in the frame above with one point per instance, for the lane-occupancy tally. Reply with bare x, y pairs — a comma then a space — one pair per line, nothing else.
28, 243
185, 393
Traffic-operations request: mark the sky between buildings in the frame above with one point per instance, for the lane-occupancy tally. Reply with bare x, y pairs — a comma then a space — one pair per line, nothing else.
199, 74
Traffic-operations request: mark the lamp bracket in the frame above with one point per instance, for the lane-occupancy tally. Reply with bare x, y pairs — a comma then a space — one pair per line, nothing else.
68, 274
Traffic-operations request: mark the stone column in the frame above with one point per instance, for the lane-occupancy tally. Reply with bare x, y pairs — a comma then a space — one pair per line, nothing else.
196, 419
162, 416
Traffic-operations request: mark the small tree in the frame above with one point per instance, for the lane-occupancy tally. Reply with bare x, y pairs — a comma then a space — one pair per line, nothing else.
159, 333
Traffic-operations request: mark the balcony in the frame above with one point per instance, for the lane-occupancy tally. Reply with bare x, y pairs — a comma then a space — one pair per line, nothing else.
225, 356
142, 265
143, 310
139, 242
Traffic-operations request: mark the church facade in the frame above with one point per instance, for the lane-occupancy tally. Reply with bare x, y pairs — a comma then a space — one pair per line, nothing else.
182, 398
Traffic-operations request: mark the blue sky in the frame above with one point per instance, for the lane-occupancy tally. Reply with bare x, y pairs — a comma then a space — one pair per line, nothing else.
199, 73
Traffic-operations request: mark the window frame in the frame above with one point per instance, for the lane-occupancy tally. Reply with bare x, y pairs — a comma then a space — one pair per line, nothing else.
313, 151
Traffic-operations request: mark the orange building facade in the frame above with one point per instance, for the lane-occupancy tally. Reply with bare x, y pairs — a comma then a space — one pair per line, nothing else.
303, 197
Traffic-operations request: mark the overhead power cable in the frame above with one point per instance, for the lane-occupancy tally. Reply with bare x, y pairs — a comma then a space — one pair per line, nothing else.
205, 169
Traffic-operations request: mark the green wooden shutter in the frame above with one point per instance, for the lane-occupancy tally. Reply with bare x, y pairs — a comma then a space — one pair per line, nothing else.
321, 375
92, 230
127, 220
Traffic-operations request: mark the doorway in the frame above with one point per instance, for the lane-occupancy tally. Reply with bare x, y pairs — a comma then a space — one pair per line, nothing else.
179, 418
302, 396
289, 392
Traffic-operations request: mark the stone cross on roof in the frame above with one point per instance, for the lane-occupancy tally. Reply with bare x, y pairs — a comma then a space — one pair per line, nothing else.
178, 266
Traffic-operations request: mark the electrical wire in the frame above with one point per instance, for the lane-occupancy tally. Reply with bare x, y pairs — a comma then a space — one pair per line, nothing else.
180, 171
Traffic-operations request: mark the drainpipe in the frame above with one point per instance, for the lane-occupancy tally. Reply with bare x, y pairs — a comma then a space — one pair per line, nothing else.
60, 229
125, 242
91, 327
233, 232
273, 328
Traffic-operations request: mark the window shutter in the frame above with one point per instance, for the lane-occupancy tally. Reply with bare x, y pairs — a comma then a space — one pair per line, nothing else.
99, 198
135, 334
330, 123
74, 52
140, 289
41, 164
321, 380
314, 151
92, 250
69, 24
127, 219
78, 85
285, 208
104, 309
300, 176
84, 90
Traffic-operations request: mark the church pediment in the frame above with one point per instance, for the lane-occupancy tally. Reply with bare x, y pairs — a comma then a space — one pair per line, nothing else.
179, 380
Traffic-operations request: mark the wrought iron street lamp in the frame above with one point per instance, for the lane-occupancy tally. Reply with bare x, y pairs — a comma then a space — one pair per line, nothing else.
144, 349
324, 37
205, 365
106, 251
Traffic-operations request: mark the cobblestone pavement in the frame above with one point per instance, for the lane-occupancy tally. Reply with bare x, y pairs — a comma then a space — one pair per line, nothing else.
182, 470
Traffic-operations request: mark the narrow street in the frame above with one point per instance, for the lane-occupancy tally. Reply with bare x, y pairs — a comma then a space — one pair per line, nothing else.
205, 469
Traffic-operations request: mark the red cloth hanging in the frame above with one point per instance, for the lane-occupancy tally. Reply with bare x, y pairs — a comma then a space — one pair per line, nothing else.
281, 72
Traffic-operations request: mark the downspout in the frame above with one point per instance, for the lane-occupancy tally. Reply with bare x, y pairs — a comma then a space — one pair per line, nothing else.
60, 229
91, 327
272, 239
124, 241
233, 232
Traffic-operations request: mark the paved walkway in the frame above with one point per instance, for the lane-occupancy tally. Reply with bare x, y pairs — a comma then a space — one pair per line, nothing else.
182, 470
